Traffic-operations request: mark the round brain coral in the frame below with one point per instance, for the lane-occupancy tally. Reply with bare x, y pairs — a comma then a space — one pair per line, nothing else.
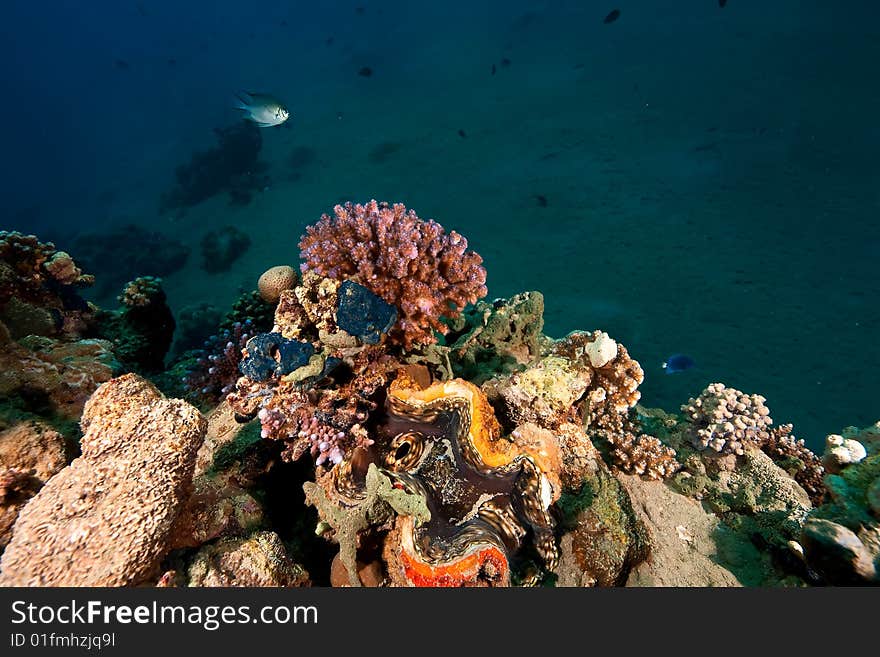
409, 262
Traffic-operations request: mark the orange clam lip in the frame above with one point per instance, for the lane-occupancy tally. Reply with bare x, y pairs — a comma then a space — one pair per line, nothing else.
458, 573
462, 571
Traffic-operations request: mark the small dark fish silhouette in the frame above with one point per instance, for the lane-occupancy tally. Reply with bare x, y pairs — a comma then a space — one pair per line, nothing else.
505, 63
722, 3
542, 200
678, 363
121, 64
461, 133
365, 72
360, 10
172, 61
612, 16
493, 69
329, 41
283, 23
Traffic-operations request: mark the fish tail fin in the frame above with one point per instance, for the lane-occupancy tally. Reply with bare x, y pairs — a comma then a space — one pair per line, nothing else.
243, 101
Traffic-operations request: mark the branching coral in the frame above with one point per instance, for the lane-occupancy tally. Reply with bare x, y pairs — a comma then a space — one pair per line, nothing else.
793, 456
215, 372
410, 263
642, 455
141, 292
327, 421
727, 419
614, 377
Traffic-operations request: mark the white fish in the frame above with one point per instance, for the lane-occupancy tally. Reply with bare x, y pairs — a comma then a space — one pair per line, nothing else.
262, 109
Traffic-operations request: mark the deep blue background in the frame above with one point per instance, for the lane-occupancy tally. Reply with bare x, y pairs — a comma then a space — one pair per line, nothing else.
712, 174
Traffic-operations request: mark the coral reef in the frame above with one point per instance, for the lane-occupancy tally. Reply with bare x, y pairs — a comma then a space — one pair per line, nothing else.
410, 263
447, 445
793, 456
249, 306
38, 288
141, 331
614, 378
642, 455
141, 292
589, 379
34, 270
112, 509
841, 452
726, 421
222, 247
841, 540
232, 166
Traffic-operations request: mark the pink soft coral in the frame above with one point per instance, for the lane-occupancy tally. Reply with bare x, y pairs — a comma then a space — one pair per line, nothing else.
410, 263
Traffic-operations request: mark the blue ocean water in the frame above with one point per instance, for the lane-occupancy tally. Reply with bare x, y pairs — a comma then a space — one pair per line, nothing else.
687, 178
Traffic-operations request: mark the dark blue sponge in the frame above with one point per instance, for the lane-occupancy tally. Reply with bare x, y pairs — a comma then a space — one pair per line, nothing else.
272, 354
363, 314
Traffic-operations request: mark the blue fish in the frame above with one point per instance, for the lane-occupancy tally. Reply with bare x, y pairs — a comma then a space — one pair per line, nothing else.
678, 363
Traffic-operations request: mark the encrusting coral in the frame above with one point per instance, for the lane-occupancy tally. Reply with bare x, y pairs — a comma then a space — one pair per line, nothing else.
411, 263
112, 509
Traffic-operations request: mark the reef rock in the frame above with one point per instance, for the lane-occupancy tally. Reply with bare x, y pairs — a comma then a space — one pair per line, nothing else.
603, 539
499, 337
111, 510
53, 377
837, 554
681, 536
544, 394
841, 452
30, 453
258, 560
